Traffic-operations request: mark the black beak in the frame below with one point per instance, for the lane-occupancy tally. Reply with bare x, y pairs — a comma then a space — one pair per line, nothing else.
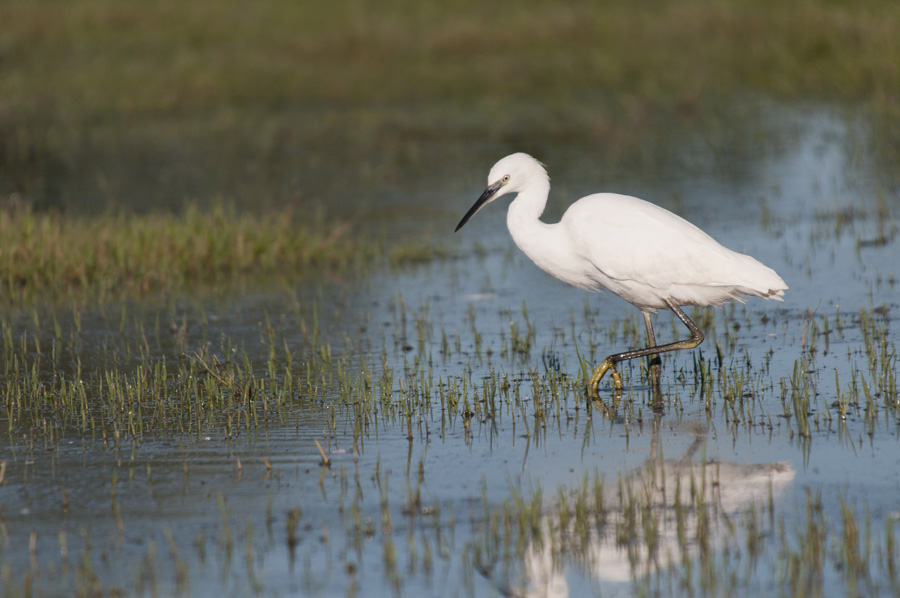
485, 199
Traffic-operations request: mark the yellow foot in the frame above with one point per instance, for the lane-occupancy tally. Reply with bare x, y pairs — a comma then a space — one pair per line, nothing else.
599, 371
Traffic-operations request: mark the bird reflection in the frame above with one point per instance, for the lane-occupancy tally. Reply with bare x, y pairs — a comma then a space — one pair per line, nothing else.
661, 515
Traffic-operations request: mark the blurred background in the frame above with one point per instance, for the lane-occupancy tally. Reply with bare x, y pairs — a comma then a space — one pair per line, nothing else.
393, 111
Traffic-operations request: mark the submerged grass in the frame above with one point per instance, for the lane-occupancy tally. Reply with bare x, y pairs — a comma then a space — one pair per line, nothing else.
145, 377
675, 530
670, 526
426, 386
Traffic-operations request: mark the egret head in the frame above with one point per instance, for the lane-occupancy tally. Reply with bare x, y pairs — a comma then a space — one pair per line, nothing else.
510, 175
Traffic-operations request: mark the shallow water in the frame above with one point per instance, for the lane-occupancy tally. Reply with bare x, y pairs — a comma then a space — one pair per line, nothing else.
408, 502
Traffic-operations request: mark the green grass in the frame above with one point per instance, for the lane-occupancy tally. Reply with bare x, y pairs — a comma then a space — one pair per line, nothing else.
119, 255
112, 59
151, 103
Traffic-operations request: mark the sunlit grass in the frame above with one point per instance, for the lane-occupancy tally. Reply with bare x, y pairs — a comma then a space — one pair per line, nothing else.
121, 255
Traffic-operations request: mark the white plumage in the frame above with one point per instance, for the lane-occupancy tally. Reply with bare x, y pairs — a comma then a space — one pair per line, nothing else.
645, 254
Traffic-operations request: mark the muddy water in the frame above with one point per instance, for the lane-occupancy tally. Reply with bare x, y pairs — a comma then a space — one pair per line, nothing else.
405, 508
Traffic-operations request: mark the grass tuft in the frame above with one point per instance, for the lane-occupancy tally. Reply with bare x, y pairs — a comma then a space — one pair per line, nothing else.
123, 255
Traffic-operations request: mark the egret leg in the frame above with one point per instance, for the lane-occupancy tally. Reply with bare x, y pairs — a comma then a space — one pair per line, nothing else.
609, 364
655, 361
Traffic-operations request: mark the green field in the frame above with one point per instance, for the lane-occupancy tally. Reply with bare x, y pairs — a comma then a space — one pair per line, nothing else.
149, 104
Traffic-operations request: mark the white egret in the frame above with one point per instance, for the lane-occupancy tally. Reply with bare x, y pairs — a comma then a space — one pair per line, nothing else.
645, 254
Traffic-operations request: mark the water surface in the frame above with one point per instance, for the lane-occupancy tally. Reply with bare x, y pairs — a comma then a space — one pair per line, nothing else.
473, 363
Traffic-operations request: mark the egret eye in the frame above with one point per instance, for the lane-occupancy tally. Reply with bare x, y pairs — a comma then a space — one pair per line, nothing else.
505, 178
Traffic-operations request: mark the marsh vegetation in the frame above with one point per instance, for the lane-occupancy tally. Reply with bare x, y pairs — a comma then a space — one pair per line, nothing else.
241, 352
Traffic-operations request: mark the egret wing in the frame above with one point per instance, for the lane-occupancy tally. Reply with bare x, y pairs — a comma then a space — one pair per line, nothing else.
643, 252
